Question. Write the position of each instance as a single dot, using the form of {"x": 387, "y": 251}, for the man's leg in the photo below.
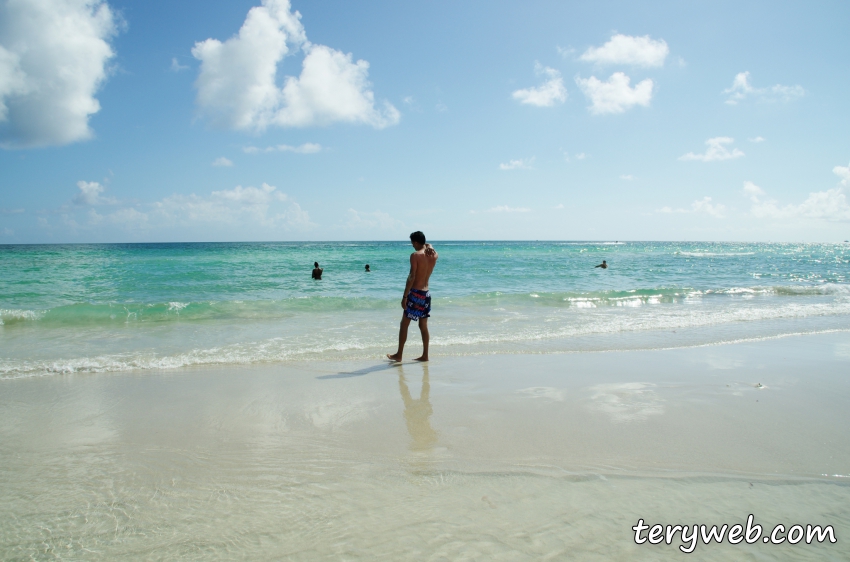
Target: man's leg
{"x": 426, "y": 337}
{"x": 402, "y": 338}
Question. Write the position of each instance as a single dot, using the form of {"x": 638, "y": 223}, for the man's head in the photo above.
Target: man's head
{"x": 417, "y": 239}
{"x": 316, "y": 264}
{"x": 603, "y": 261}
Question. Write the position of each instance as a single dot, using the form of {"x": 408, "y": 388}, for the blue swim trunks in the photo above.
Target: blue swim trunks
{"x": 418, "y": 304}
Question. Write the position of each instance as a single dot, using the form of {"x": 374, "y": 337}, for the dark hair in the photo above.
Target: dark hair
{"x": 315, "y": 264}
{"x": 417, "y": 237}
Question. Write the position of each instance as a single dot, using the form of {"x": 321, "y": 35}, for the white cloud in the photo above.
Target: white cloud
{"x": 703, "y": 205}
{"x": 505, "y": 209}
{"x": 742, "y": 89}
{"x": 627, "y": 177}
{"x": 521, "y": 164}
{"x": 757, "y": 139}
{"x": 716, "y": 151}
{"x": 332, "y": 88}
{"x": 176, "y": 66}
{"x": 240, "y": 206}
{"x": 441, "y": 107}
{"x": 559, "y": 206}
{"x": 306, "y": 148}
{"x": 372, "y": 220}
{"x": 222, "y": 161}
{"x": 842, "y": 172}
{"x": 549, "y": 93}
{"x": 626, "y": 49}
{"x": 238, "y": 213}
{"x": 90, "y": 194}
{"x": 581, "y": 156}
{"x": 830, "y": 205}
{"x": 566, "y": 53}
{"x": 753, "y": 191}
{"x": 237, "y": 85}
{"x": 53, "y": 57}
{"x": 615, "y": 95}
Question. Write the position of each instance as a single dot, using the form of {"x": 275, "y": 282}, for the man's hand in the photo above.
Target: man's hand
{"x": 404, "y": 302}
{"x": 430, "y": 251}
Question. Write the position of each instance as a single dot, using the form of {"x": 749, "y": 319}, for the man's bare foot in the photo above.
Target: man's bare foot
{"x": 423, "y": 358}
{"x": 394, "y": 357}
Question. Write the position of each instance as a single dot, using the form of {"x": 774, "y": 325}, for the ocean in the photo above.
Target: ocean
{"x": 121, "y": 307}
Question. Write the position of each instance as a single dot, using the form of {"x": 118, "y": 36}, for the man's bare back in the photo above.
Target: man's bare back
{"x": 422, "y": 264}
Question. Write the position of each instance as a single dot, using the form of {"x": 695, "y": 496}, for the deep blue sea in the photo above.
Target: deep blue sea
{"x": 114, "y": 307}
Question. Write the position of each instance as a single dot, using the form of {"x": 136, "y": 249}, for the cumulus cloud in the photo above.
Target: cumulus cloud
{"x": 306, "y": 148}
{"x": 241, "y": 211}
{"x": 615, "y": 95}
{"x": 830, "y": 205}
{"x": 53, "y": 60}
{"x": 757, "y": 139}
{"x": 237, "y": 84}
{"x": 254, "y": 206}
{"x": 703, "y": 206}
{"x": 90, "y": 194}
{"x": 753, "y": 191}
{"x": 504, "y": 209}
{"x": 176, "y": 66}
{"x": 222, "y": 161}
{"x": 626, "y": 49}
{"x": 549, "y": 93}
{"x": 842, "y": 172}
{"x": 716, "y": 151}
{"x": 741, "y": 89}
{"x": 372, "y": 220}
{"x": 521, "y": 164}
{"x": 627, "y": 177}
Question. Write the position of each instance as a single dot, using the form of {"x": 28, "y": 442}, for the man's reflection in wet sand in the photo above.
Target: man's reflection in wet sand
{"x": 417, "y": 413}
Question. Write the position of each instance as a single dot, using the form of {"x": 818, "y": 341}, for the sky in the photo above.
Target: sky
{"x": 154, "y": 121}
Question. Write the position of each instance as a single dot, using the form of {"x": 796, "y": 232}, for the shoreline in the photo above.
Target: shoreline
{"x": 268, "y": 353}
{"x": 459, "y": 457}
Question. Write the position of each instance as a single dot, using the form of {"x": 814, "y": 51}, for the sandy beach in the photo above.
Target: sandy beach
{"x": 481, "y": 457}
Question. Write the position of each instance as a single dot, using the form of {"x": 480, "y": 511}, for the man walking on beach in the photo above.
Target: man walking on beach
{"x": 416, "y": 301}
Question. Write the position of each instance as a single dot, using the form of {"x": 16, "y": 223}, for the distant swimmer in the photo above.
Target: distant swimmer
{"x": 603, "y": 265}
{"x": 317, "y": 271}
{"x": 416, "y": 301}
{"x": 367, "y": 269}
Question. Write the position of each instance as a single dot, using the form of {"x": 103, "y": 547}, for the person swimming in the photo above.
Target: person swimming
{"x": 367, "y": 269}
{"x": 603, "y": 265}
{"x": 317, "y": 271}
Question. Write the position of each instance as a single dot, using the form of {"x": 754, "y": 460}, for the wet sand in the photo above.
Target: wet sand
{"x": 484, "y": 457}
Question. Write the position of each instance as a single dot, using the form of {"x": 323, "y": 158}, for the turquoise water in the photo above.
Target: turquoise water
{"x": 79, "y": 308}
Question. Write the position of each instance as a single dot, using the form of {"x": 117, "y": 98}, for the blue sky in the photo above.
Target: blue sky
{"x": 191, "y": 121}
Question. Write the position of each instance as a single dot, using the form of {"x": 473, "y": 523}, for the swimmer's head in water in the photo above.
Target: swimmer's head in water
{"x": 367, "y": 267}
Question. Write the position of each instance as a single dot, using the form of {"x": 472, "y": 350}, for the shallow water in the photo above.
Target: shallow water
{"x": 101, "y": 308}
{"x": 485, "y": 457}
